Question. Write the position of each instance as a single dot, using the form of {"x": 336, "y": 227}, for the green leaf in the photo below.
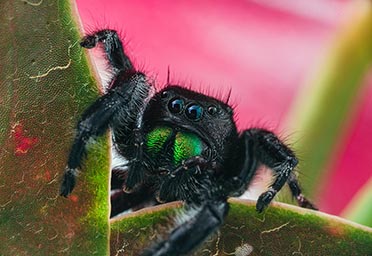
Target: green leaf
{"x": 45, "y": 85}
{"x": 280, "y": 230}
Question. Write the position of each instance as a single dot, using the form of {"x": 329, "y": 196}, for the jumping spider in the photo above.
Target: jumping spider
{"x": 180, "y": 145}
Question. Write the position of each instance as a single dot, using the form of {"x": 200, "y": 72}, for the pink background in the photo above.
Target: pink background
{"x": 263, "y": 50}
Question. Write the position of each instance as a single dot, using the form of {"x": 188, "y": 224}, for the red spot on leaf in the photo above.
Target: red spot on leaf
{"x": 335, "y": 230}
{"x": 22, "y": 142}
{"x": 74, "y": 198}
{"x": 47, "y": 175}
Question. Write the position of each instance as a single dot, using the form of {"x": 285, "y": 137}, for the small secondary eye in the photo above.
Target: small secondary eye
{"x": 176, "y": 105}
{"x": 194, "y": 112}
{"x": 164, "y": 94}
{"x": 212, "y": 110}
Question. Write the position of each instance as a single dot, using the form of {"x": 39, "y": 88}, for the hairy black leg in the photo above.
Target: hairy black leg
{"x": 184, "y": 238}
{"x": 94, "y": 122}
{"x": 123, "y": 68}
{"x": 297, "y": 193}
{"x": 112, "y": 46}
{"x": 246, "y": 147}
{"x": 273, "y": 153}
{"x": 136, "y": 173}
{"x": 122, "y": 104}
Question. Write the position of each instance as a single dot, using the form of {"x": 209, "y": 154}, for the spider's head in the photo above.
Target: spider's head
{"x": 183, "y": 109}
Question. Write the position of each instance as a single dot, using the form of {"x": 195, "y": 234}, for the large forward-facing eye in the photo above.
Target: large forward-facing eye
{"x": 194, "y": 112}
{"x": 176, "y": 105}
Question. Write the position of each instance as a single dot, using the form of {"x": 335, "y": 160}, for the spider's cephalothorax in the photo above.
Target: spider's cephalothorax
{"x": 179, "y": 145}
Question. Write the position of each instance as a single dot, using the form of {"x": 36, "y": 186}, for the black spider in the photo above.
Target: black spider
{"x": 180, "y": 145}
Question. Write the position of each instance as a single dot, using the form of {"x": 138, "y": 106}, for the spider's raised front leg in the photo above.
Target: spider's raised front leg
{"x": 113, "y": 47}
{"x": 124, "y": 101}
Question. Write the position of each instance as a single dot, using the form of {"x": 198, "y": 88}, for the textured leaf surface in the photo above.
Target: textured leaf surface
{"x": 281, "y": 230}
{"x": 45, "y": 85}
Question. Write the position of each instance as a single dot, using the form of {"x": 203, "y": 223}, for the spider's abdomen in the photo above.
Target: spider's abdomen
{"x": 166, "y": 144}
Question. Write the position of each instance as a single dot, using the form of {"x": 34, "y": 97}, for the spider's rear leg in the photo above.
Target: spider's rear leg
{"x": 297, "y": 193}
{"x": 113, "y": 48}
{"x": 273, "y": 153}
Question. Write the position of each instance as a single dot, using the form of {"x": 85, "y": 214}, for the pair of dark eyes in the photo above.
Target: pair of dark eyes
{"x": 193, "y": 111}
